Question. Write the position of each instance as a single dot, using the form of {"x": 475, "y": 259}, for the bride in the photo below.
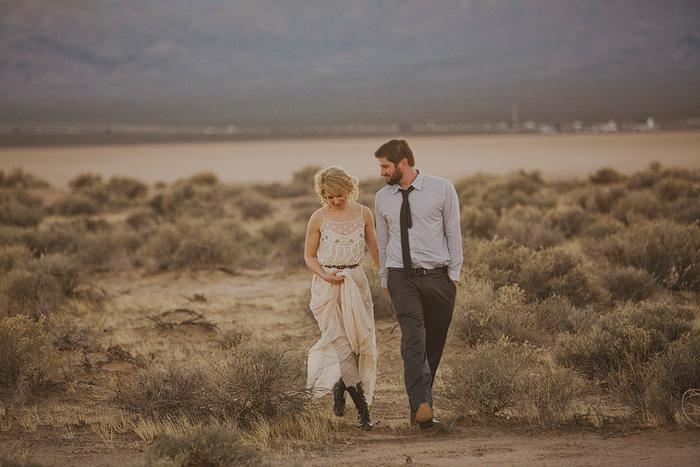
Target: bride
{"x": 345, "y": 358}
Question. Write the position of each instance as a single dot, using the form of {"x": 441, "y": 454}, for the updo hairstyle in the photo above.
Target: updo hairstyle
{"x": 336, "y": 181}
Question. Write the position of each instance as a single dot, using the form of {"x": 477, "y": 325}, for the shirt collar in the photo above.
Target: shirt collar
{"x": 417, "y": 183}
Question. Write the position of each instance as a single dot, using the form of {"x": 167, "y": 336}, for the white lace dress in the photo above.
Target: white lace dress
{"x": 344, "y": 311}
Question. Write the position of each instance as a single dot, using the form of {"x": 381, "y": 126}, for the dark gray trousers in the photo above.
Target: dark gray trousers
{"x": 424, "y": 305}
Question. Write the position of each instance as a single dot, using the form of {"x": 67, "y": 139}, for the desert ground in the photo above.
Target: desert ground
{"x": 249, "y": 300}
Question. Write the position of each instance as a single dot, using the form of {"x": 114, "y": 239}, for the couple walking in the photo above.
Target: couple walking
{"x": 417, "y": 247}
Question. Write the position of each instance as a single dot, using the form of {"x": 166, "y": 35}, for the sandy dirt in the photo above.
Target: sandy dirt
{"x": 247, "y": 300}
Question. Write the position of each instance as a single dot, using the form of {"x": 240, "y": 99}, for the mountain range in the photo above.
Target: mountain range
{"x": 353, "y": 61}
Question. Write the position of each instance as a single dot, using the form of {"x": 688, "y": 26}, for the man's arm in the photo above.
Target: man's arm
{"x": 453, "y": 233}
{"x": 382, "y": 238}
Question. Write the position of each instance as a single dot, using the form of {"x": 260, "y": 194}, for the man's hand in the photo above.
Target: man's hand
{"x": 386, "y": 292}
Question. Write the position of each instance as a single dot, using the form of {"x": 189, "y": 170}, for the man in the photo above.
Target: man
{"x": 420, "y": 255}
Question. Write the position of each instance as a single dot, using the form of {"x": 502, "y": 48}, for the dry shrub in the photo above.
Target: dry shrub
{"x": 630, "y": 335}
{"x": 603, "y": 199}
{"x": 13, "y": 235}
{"x": 498, "y": 261}
{"x": 71, "y": 332}
{"x": 478, "y": 222}
{"x": 527, "y": 225}
{"x": 251, "y": 380}
{"x": 98, "y": 248}
{"x": 27, "y": 355}
{"x": 557, "y": 271}
{"x": 172, "y": 390}
{"x": 75, "y": 205}
{"x": 684, "y": 210}
{"x": 670, "y": 252}
{"x": 637, "y": 205}
{"x": 90, "y": 186}
{"x": 601, "y": 227}
{"x": 675, "y": 372}
{"x": 511, "y": 190}
{"x": 557, "y": 314}
{"x": 85, "y": 181}
{"x": 193, "y": 244}
{"x": 541, "y": 274}
{"x": 191, "y": 197}
{"x": 12, "y": 256}
{"x": 254, "y": 206}
{"x": 488, "y": 379}
{"x": 570, "y": 220}
{"x": 629, "y": 283}
{"x": 646, "y": 178}
{"x": 40, "y": 286}
{"x": 141, "y": 219}
{"x": 124, "y": 191}
{"x": 670, "y": 189}
{"x": 18, "y": 178}
{"x": 665, "y": 321}
{"x": 485, "y": 315}
{"x": 632, "y": 381}
{"x": 598, "y": 352}
{"x": 20, "y": 208}
{"x": 278, "y": 232}
{"x": 259, "y": 379}
{"x": 55, "y": 238}
{"x": 213, "y": 444}
{"x": 657, "y": 386}
{"x": 118, "y": 192}
{"x": 551, "y": 392}
{"x": 280, "y": 241}
{"x": 24, "y": 292}
{"x": 90, "y": 241}
{"x": 468, "y": 188}
{"x": 606, "y": 176}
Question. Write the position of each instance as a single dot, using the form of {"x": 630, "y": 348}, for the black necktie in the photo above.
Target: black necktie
{"x": 405, "y": 224}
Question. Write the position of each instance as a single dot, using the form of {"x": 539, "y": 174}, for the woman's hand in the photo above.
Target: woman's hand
{"x": 333, "y": 277}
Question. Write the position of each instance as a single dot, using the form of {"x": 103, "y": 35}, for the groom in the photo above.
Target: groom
{"x": 420, "y": 253}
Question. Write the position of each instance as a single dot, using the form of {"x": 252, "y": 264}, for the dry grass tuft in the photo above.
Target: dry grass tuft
{"x": 204, "y": 445}
{"x": 27, "y": 357}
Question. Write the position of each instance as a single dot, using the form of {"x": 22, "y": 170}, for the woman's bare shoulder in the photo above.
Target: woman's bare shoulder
{"x": 316, "y": 218}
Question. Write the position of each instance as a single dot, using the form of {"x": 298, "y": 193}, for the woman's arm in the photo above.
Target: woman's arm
{"x": 370, "y": 235}
{"x": 313, "y": 236}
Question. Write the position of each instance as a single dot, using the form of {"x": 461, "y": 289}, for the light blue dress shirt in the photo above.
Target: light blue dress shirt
{"x": 435, "y": 237}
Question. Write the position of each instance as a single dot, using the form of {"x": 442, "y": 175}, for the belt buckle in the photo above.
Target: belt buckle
{"x": 420, "y": 272}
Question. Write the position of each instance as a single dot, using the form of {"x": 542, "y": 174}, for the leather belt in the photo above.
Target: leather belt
{"x": 423, "y": 271}
{"x": 349, "y": 266}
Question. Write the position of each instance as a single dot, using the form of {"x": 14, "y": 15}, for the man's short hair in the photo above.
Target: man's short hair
{"x": 394, "y": 150}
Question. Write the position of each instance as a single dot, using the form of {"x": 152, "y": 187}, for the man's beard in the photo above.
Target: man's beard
{"x": 394, "y": 179}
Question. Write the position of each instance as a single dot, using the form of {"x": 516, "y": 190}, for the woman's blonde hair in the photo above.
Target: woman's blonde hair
{"x": 336, "y": 181}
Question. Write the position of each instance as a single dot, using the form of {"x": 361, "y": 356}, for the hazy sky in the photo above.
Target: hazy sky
{"x": 371, "y": 61}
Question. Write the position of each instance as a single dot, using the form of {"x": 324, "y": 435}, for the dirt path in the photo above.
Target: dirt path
{"x": 492, "y": 446}
{"x": 247, "y": 301}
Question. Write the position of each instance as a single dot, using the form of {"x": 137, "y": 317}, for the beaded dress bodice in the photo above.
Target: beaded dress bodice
{"x": 342, "y": 243}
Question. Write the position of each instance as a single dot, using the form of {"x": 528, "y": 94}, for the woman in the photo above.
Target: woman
{"x": 345, "y": 358}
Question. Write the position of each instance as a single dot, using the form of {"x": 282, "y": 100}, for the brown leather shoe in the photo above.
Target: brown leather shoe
{"x": 424, "y": 413}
